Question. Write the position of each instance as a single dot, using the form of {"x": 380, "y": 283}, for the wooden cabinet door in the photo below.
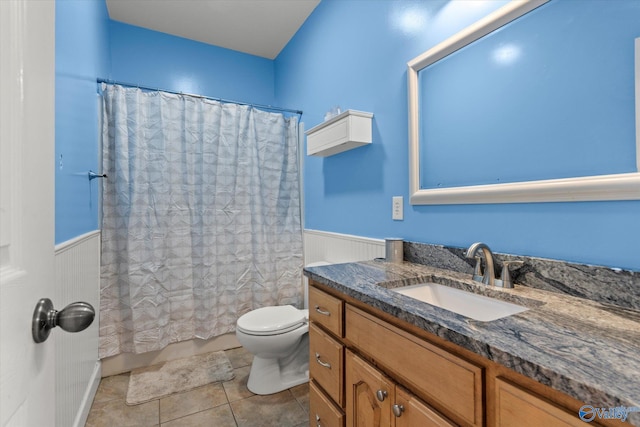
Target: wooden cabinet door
{"x": 369, "y": 394}
{"x": 517, "y": 407}
{"x": 411, "y": 412}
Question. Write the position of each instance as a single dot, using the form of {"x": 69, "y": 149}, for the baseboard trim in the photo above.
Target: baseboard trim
{"x": 89, "y": 395}
{"x": 125, "y": 362}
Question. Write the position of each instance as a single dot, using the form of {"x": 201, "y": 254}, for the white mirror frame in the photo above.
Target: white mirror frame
{"x": 624, "y": 186}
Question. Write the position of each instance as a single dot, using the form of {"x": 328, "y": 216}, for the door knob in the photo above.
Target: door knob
{"x": 75, "y": 317}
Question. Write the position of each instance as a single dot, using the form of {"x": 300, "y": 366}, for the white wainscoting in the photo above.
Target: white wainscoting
{"x": 334, "y": 248}
{"x": 77, "y": 366}
{"x": 338, "y": 248}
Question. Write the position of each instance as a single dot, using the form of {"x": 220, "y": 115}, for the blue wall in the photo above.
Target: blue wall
{"x": 88, "y": 46}
{"x": 489, "y": 106}
{"x": 350, "y": 53}
{"x": 82, "y": 54}
{"x": 159, "y": 60}
{"x": 353, "y": 54}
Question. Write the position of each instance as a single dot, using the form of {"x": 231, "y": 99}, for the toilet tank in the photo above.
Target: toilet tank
{"x": 306, "y": 280}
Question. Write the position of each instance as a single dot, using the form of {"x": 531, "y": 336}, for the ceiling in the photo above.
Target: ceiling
{"x": 256, "y": 27}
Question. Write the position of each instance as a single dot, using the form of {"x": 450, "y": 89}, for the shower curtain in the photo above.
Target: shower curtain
{"x": 200, "y": 217}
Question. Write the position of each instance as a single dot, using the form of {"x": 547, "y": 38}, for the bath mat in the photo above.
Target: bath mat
{"x": 175, "y": 376}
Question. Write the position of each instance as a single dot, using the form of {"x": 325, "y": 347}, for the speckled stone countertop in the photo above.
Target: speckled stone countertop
{"x": 588, "y": 350}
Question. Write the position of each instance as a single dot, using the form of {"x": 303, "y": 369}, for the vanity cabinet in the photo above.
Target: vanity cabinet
{"x": 344, "y": 386}
{"x": 366, "y": 364}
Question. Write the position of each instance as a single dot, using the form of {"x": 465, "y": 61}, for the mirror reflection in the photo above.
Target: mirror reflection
{"x": 551, "y": 95}
{"x": 536, "y": 95}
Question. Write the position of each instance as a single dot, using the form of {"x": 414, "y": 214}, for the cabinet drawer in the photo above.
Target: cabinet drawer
{"x": 452, "y": 385}
{"x": 517, "y": 407}
{"x": 326, "y": 310}
{"x": 326, "y": 362}
{"x": 322, "y": 411}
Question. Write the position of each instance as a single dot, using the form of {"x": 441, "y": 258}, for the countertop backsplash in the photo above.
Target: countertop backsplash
{"x": 602, "y": 284}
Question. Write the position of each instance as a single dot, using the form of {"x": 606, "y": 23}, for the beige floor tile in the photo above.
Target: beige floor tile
{"x": 220, "y": 416}
{"x": 117, "y": 413}
{"x": 112, "y": 388}
{"x": 196, "y": 400}
{"x": 236, "y": 389}
{"x": 239, "y": 357}
{"x": 204, "y": 406}
{"x": 301, "y": 393}
{"x": 280, "y": 409}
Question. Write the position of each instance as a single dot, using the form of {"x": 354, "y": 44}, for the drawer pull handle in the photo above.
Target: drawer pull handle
{"x": 381, "y": 395}
{"x": 318, "y": 421}
{"x": 323, "y": 312}
{"x": 325, "y": 364}
{"x": 398, "y": 410}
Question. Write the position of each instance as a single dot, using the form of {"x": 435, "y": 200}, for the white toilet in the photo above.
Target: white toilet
{"x": 278, "y": 338}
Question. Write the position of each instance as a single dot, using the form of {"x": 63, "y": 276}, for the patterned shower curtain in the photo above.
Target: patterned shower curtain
{"x": 200, "y": 217}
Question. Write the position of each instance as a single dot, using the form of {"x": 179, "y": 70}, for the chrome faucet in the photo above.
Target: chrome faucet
{"x": 489, "y": 276}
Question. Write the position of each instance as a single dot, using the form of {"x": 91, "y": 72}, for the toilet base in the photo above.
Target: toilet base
{"x": 270, "y": 376}
{"x": 265, "y": 377}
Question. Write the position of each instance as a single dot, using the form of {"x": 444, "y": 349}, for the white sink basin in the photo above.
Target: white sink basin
{"x": 468, "y": 304}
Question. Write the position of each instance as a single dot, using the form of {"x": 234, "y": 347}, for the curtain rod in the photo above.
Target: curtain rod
{"x": 266, "y": 107}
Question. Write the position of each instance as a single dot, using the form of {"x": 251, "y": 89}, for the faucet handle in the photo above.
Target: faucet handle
{"x": 505, "y": 277}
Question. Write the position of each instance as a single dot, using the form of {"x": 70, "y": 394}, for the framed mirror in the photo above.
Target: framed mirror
{"x": 537, "y": 102}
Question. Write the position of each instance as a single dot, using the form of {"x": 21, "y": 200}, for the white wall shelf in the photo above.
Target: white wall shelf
{"x": 348, "y": 130}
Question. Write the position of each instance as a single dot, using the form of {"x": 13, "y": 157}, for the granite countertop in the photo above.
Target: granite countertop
{"x": 588, "y": 350}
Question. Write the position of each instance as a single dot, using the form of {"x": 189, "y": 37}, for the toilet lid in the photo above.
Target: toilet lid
{"x": 271, "y": 319}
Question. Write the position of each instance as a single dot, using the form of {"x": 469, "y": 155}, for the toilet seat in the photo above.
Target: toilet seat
{"x": 271, "y": 320}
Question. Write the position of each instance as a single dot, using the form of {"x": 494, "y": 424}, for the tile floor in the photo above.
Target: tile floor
{"x": 227, "y": 404}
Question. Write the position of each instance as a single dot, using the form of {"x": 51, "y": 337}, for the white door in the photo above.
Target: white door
{"x": 27, "y": 380}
